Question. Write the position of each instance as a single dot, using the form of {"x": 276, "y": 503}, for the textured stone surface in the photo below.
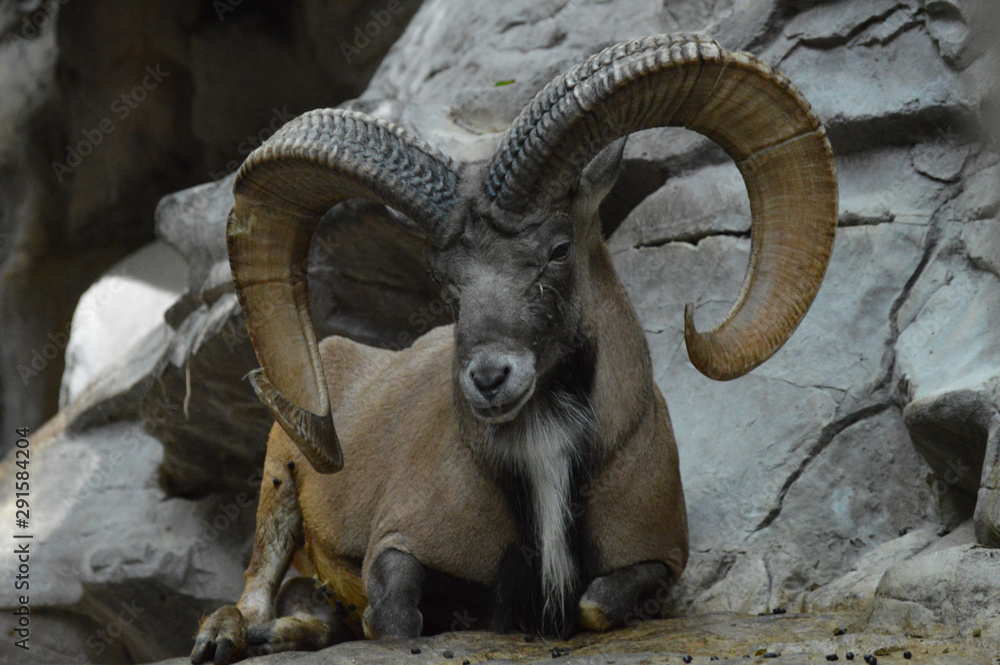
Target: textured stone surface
{"x": 950, "y": 593}
{"x": 123, "y": 306}
{"x": 733, "y": 639}
{"x": 105, "y": 108}
{"x": 107, "y": 541}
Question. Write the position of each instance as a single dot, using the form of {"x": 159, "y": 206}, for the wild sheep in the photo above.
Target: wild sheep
{"x": 517, "y": 469}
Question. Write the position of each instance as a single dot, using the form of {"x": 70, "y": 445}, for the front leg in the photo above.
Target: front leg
{"x": 395, "y": 584}
{"x": 628, "y": 594}
{"x": 222, "y": 637}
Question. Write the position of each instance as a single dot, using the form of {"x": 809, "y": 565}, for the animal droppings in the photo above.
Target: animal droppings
{"x": 907, "y": 655}
{"x": 291, "y": 466}
{"x": 850, "y": 655}
{"x": 448, "y": 654}
{"x": 277, "y": 482}
{"x": 687, "y": 659}
{"x": 771, "y": 654}
{"x": 779, "y": 610}
{"x": 415, "y": 650}
{"x": 870, "y": 659}
{"x": 839, "y": 632}
{"x": 832, "y": 657}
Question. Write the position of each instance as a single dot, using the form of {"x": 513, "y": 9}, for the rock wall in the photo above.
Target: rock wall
{"x": 106, "y": 108}
{"x": 869, "y": 443}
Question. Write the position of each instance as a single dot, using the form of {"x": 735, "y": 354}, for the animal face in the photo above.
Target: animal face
{"x": 516, "y": 303}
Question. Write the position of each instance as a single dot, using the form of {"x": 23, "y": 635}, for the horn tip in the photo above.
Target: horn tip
{"x": 314, "y": 434}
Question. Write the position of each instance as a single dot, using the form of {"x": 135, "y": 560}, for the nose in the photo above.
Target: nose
{"x": 488, "y": 376}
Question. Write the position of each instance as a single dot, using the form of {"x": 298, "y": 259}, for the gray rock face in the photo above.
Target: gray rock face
{"x": 946, "y": 594}
{"x": 125, "y": 304}
{"x": 116, "y": 572}
{"x": 150, "y": 98}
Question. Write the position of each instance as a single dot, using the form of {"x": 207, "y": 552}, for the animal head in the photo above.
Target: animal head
{"x": 518, "y": 286}
{"x": 516, "y": 240}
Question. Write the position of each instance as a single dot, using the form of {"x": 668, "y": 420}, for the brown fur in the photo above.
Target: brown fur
{"x": 413, "y": 479}
{"x": 434, "y": 501}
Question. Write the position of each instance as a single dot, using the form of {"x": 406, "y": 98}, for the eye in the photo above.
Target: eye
{"x": 560, "y": 252}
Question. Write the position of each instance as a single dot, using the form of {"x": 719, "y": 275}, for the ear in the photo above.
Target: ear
{"x": 599, "y": 177}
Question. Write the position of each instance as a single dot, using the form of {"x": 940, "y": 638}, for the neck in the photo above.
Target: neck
{"x": 623, "y": 386}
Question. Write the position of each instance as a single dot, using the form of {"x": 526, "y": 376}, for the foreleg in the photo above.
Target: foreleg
{"x": 628, "y": 594}
{"x": 395, "y": 585}
{"x": 222, "y": 638}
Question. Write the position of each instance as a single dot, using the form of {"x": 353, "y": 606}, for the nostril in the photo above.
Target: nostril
{"x": 488, "y": 379}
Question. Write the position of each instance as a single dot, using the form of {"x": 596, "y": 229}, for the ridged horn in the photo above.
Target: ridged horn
{"x": 283, "y": 188}
{"x": 745, "y": 106}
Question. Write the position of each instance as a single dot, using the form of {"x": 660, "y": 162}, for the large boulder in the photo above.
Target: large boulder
{"x": 116, "y": 573}
{"x": 947, "y": 594}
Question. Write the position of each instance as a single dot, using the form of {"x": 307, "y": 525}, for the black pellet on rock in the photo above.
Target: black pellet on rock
{"x": 771, "y": 654}
{"x": 415, "y": 650}
{"x": 849, "y": 655}
{"x": 291, "y": 466}
{"x": 839, "y": 632}
{"x": 870, "y": 659}
{"x": 448, "y": 654}
{"x": 466, "y": 662}
{"x": 907, "y": 655}
{"x": 778, "y": 610}
{"x": 277, "y": 482}
{"x": 832, "y": 657}
{"x": 687, "y": 659}
{"x": 714, "y": 658}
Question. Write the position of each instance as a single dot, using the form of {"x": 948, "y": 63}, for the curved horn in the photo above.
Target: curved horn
{"x": 745, "y": 106}
{"x": 283, "y": 188}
